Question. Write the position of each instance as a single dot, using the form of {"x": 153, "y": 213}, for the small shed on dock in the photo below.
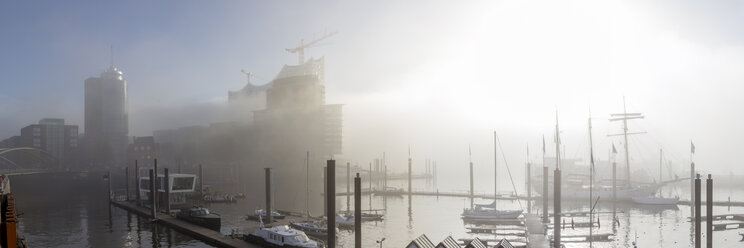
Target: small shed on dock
{"x": 449, "y": 242}
{"x": 504, "y": 244}
{"x": 421, "y": 242}
{"x": 476, "y": 243}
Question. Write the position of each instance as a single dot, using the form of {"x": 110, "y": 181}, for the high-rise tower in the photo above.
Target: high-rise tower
{"x": 106, "y": 118}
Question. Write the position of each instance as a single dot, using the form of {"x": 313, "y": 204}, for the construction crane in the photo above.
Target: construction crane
{"x": 301, "y": 49}
{"x": 248, "y": 76}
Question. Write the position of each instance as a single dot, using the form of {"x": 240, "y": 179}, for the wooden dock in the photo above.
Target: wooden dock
{"x": 204, "y": 234}
{"x": 536, "y": 232}
{"x": 517, "y": 197}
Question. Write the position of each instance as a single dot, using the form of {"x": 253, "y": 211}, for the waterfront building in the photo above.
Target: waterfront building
{"x": 53, "y": 137}
{"x": 296, "y": 118}
{"x": 107, "y": 117}
{"x": 144, "y": 150}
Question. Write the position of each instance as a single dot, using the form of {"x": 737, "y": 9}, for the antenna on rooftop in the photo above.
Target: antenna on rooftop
{"x": 111, "y": 55}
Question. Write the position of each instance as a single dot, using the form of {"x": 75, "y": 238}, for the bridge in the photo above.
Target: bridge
{"x": 11, "y": 168}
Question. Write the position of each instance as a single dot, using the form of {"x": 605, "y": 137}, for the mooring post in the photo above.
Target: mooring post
{"x": 692, "y": 189}
{"x": 545, "y": 194}
{"x": 201, "y": 180}
{"x": 126, "y": 184}
{"x": 331, "y": 202}
{"x": 153, "y": 203}
{"x": 697, "y": 212}
{"x": 110, "y": 195}
{"x": 269, "y": 211}
{"x": 157, "y": 183}
{"x": 167, "y": 190}
{"x": 348, "y": 187}
{"x": 358, "y": 211}
{"x": 529, "y": 188}
{"x": 614, "y": 193}
{"x": 325, "y": 190}
{"x": 709, "y": 212}
{"x": 370, "y": 185}
{"x": 137, "y": 183}
{"x": 557, "y": 208}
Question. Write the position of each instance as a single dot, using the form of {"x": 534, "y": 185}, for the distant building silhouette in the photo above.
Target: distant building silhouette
{"x": 106, "y": 118}
{"x": 59, "y": 142}
{"x": 144, "y": 150}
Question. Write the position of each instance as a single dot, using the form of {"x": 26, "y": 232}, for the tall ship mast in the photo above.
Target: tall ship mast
{"x": 625, "y": 116}
{"x": 593, "y": 188}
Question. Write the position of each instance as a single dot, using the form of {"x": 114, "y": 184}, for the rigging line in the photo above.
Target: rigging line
{"x": 673, "y": 153}
{"x": 580, "y": 147}
{"x": 508, "y": 171}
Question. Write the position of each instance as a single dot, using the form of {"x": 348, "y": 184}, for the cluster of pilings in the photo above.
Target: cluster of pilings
{"x": 154, "y": 194}
{"x": 330, "y": 203}
{"x": 708, "y": 214}
{"x": 329, "y": 187}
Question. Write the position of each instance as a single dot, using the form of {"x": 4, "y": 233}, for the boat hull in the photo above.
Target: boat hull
{"x": 211, "y": 223}
{"x": 491, "y": 214}
{"x": 250, "y": 238}
{"x": 623, "y": 194}
{"x": 315, "y": 232}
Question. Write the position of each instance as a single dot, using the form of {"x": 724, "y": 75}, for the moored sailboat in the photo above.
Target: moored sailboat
{"x": 489, "y": 211}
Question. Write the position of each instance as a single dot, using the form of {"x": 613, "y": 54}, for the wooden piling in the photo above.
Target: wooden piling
{"x": 529, "y": 188}
{"x": 137, "y": 183}
{"x": 156, "y": 193}
{"x": 557, "y": 208}
{"x": 201, "y": 180}
{"x": 709, "y": 212}
{"x": 358, "y": 211}
{"x": 269, "y": 210}
{"x": 110, "y": 194}
{"x": 331, "y": 202}
{"x": 126, "y": 169}
{"x": 153, "y": 202}
{"x": 545, "y": 194}
{"x": 167, "y": 190}
{"x": 697, "y": 212}
{"x": 348, "y": 187}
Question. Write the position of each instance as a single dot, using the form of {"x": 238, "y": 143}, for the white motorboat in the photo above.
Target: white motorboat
{"x": 656, "y": 200}
{"x": 280, "y": 236}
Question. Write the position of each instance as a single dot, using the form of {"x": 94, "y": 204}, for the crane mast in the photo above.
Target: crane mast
{"x": 300, "y": 50}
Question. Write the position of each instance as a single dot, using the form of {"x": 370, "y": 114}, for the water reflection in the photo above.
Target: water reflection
{"x": 60, "y": 216}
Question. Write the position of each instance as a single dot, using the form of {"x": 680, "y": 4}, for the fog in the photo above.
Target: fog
{"x": 433, "y": 76}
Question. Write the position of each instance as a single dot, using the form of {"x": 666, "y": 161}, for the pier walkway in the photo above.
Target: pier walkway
{"x": 535, "y": 231}
{"x": 207, "y": 235}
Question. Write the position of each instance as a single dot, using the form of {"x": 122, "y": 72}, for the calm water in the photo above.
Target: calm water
{"x": 55, "y": 219}
{"x": 58, "y": 215}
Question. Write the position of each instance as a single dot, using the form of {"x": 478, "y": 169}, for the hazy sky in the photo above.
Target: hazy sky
{"x": 436, "y": 75}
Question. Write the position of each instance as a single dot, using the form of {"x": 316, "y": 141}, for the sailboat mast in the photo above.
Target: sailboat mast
{"x": 557, "y": 143}
{"x": 661, "y": 161}
{"x": 625, "y": 116}
{"x": 591, "y": 180}
{"x": 625, "y": 135}
{"x": 495, "y": 167}
{"x": 470, "y": 157}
